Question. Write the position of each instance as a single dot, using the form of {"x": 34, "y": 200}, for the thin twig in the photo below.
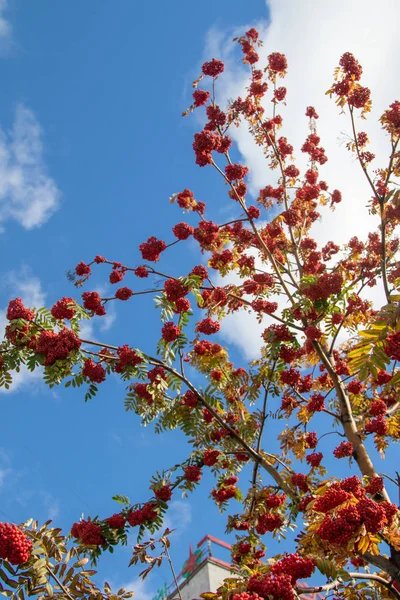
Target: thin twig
{"x": 172, "y": 569}
{"x": 54, "y": 576}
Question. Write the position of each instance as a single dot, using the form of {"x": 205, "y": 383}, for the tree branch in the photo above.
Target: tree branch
{"x": 384, "y": 564}
{"x": 361, "y": 455}
{"x": 337, "y": 583}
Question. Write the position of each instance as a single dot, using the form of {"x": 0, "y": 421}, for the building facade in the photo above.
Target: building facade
{"x": 204, "y": 571}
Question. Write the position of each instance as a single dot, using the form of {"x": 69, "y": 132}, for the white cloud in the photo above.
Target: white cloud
{"x": 6, "y": 471}
{"x": 106, "y": 322}
{"x": 51, "y": 505}
{"x": 115, "y": 438}
{"x": 178, "y": 517}
{"x": 27, "y": 194}
{"x": 87, "y": 330}
{"x": 23, "y": 378}
{"x": 243, "y": 330}
{"x": 3, "y": 475}
{"x": 89, "y": 327}
{"x": 5, "y": 30}
{"x": 22, "y": 283}
{"x": 144, "y": 590}
{"x": 4, "y": 457}
{"x": 314, "y": 35}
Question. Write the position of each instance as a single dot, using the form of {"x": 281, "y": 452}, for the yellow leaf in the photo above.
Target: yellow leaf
{"x": 359, "y": 351}
{"x": 303, "y": 415}
{"x": 374, "y": 549}
{"x": 368, "y": 333}
{"x": 363, "y": 544}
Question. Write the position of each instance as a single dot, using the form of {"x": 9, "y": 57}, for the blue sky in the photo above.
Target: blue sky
{"x": 98, "y": 90}
{"x": 92, "y": 146}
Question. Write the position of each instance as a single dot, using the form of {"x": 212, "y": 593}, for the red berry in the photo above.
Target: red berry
{"x": 57, "y": 346}
{"x": 277, "y": 62}
{"x": 200, "y": 97}
{"x": 170, "y": 332}
{"x": 163, "y": 493}
{"x": 83, "y": 269}
{"x": 15, "y": 546}
{"x": 123, "y": 293}
{"x": 213, "y": 68}
{"x": 127, "y": 357}
{"x": 89, "y": 533}
{"x": 208, "y": 326}
{"x": 314, "y": 459}
{"x": 235, "y": 172}
{"x": 64, "y": 309}
{"x": 16, "y": 310}
{"x": 343, "y": 450}
{"x": 116, "y": 275}
{"x": 141, "y": 272}
{"x": 192, "y": 473}
{"x": 210, "y": 457}
{"x": 182, "y": 231}
{"x": 152, "y": 249}
{"x": 94, "y": 372}
{"x": 117, "y": 521}
{"x": 375, "y": 486}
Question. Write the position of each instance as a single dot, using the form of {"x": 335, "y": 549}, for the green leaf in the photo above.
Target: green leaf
{"x": 377, "y": 361}
{"x": 8, "y": 567}
{"x": 121, "y": 499}
{"x": 10, "y": 582}
{"x": 326, "y": 567}
{"x": 395, "y": 379}
{"x": 49, "y": 589}
{"x": 381, "y": 354}
{"x": 373, "y": 370}
{"x": 344, "y": 575}
{"x": 363, "y": 374}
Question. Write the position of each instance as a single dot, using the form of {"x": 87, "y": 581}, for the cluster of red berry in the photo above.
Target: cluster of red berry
{"x": 15, "y": 546}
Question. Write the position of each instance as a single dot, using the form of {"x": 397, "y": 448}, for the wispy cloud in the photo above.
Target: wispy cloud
{"x": 314, "y": 35}
{"x": 242, "y": 328}
{"x": 23, "y": 283}
{"x": 4, "y": 457}
{"x": 8, "y": 475}
{"x": 178, "y": 517}
{"x": 144, "y": 590}
{"x": 106, "y": 322}
{"x": 5, "y": 30}
{"x": 28, "y": 194}
{"x": 87, "y": 330}
{"x": 115, "y": 438}
{"x": 51, "y": 504}
{"x": 90, "y": 328}
{"x": 3, "y": 475}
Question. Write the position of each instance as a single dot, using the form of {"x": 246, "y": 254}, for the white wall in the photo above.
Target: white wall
{"x": 207, "y": 579}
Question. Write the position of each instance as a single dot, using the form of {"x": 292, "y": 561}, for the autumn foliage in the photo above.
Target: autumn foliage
{"x": 327, "y": 364}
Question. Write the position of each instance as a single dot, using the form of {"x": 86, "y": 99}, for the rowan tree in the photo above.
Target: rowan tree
{"x": 327, "y": 364}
